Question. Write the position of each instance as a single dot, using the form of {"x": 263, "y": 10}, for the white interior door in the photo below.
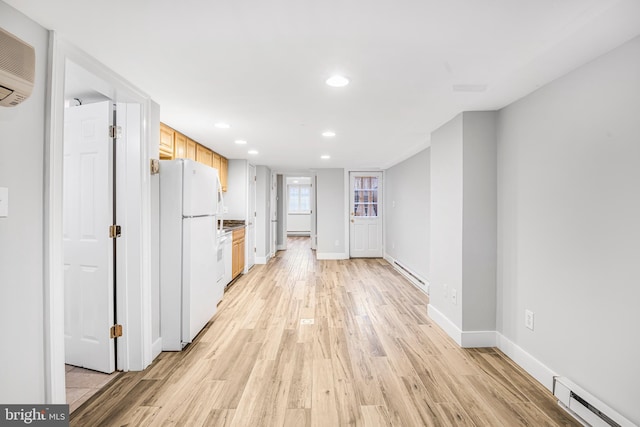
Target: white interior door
{"x": 88, "y": 250}
{"x": 365, "y": 215}
{"x": 251, "y": 219}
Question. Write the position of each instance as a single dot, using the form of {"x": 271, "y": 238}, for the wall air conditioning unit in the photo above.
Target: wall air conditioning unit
{"x": 17, "y": 69}
{"x": 585, "y": 407}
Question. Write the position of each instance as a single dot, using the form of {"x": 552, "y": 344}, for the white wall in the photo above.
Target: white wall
{"x": 331, "y": 214}
{"x": 263, "y": 209}
{"x": 21, "y": 234}
{"x": 154, "y": 147}
{"x": 407, "y": 213}
{"x": 569, "y": 226}
{"x": 235, "y": 199}
{"x": 299, "y": 224}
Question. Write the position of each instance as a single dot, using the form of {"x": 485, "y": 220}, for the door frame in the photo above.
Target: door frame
{"x": 347, "y": 204}
{"x": 285, "y": 195}
{"x": 134, "y": 278}
{"x": 250, "y": 252}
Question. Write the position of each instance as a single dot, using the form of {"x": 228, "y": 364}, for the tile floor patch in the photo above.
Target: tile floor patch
{"x": 307, "y": 321}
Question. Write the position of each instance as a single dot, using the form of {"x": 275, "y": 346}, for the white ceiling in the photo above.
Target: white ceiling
{"x": 261, "y": 65}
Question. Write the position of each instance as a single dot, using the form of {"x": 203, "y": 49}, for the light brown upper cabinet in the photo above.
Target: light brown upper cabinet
{"x": 174, "y": 145}
{"x": 180, "y": 146}
{"x": 191, "y": 149}
{"x": 204, "y": 155}
{"x": 224, "y": 172}
{"x": 166, "y": 142}
{"x": 216, "y": 162}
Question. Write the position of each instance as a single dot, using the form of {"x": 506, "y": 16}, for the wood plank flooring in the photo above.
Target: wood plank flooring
{"x": 371, "y": 357}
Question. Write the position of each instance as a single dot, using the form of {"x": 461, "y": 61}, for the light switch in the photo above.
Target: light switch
{"x": 4, "y": 202}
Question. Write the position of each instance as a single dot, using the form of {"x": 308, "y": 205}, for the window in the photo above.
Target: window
{"x": 365, "y": 196}
{"x": 299, "y": 198}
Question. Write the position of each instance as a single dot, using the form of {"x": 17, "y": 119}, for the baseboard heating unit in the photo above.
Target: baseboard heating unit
{"x": 411, "y": 276}
{"x": 585, "y": 407}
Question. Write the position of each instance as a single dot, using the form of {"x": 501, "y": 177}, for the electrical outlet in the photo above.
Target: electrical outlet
{"x": 393, "y": 245}
{"x": 528, "y": 319}
{"x": 454, "y": 296}
{"x": 393, "y": 204}
{"x": 445, "y": 291}
{"x": 337, "y": 243}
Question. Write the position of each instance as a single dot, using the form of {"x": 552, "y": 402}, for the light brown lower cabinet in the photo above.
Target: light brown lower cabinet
{"x": 237, "y": 259}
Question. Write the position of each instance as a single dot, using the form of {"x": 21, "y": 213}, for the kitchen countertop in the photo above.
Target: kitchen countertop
{"x": 230, "y": 225}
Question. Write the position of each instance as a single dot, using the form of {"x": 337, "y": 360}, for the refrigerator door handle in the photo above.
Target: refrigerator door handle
{"x": 220, "y": 206}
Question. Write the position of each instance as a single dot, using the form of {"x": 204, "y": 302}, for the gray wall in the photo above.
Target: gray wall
{"x": 235, "y": 199}
{"x": 569, "y": 226}
{"x": 281, "y": 234}
{"x": 408, "y": 213}
{"x": 263, "y": 209}
{"x": 463, "y": 221}
{"x": 21, "y": 234}
{"x": 446, "y": 218}
{"x": 330, "y": 212}
{"x": 479, "y": 222}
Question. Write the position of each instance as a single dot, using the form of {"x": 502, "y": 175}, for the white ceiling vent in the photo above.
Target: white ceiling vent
{"x": 17, "y": 69}
{"x": 469, "y": 88}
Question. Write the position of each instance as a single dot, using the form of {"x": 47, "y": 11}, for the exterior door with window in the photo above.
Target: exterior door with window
{"x": 365, "y": 215}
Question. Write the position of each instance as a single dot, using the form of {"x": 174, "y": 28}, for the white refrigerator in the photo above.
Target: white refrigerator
{"x": 190, "y": 289}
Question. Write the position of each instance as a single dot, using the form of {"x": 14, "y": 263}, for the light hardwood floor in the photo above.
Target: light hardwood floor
{"x": 371, "y": 357}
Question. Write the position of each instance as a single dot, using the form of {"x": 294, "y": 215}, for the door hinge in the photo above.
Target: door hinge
{"x": 115, "y": 331}
{"x": 254, "y": 250}
{"x": 255, "y": 214}
{"x": 115, "y": 132}
{"x": 115, "y": 231}
{"x": 155, "y": 166}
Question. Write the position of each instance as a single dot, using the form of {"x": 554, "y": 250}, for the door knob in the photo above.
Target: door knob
{"x": 352, "y": 221}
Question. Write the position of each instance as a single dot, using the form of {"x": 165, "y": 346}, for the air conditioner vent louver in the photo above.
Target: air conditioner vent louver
{"x": 17, "y": 69}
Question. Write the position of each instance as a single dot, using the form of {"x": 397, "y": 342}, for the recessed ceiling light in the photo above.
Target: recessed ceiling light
{"x": 296, "y": 181}
{"x": 337, "y": 81}
{"x": 252, "y": 152}
{"x": 325, "y": 156}
{"x": 222, "y": 125}
{"x": 240, "y": 141}
{"x": 329, "y": 133}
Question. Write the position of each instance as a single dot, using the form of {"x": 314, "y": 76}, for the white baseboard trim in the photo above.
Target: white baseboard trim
{"x": 465, "y": 339}
{"x": 262, "y": 259}
{"x": 447, "y": 325}
{"x": 538, "y": 370}
{"x": 331, "y": 255}
{"x": 470, "y": 339}
{"x": 281, "y": 247}
{"x": 478, "y": 339}
{"x": 156, "y": 348}
{"x": 299, "y": 233}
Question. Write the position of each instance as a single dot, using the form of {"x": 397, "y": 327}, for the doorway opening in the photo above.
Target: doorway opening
{"x": 90, "y": 253}
{"x": 298, "y": 202}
